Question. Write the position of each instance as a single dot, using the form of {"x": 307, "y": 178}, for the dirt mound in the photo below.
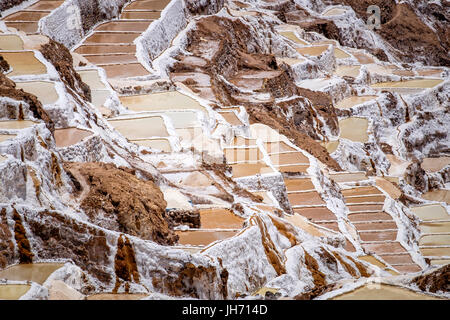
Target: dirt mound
{"x": 8, "y": 89}
{"x": 360, "y": 6}
{"x": 7, "y": 4}
{"x": 6, "y": 245}
{"x": 438, "y": 280}
{"x": 115, "y": 198}
{"x": 125, "y": 264}
{"x": 61, "y": 58}
{"x": 183, "y": 217}
{"x": 4, "y": 65}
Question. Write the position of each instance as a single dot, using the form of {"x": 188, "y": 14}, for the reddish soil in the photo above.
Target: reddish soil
{"x": 137, "y": 206}
{"x": 62, "y": 60}
{"x": 125, "y": 263}
{"x": 7, "y": 4}
{"x": 183, "y": 217}
{"x": 22, "y": 243}
{"x": 4, "y": 66}
{"x": 6, "y": 245}
{"x": 438, "y": 280}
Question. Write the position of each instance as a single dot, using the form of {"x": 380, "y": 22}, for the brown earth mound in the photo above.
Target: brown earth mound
{"x": 4, "y": 65}
{"x": 61, "y": 58}
{"x": 7, "y": 4}
{"x": 114, "y": 194}
{"x": 438, "y": 280}
{"x": 6, "y": 245}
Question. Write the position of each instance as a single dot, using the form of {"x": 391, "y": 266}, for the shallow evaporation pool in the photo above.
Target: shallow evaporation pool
{"x": 315, "y": 84}
{"x": 438, "y": 262}
{"x": 312, "y": 50}
{"x": 289, "y": 158}
{"x": 148, "y": 5}
{"x": 183, "y": 119}
{"x": 303, "y": 223}
{"x": 435, "y": 251}
{"x": 291, "y": 36}
{"x": 354, "y": 129}
{"x": 203, "y": 238}
{"x": 4, "y": 137}
{"x": 435, "y": 240}
{"x": 92, "y": 79}
{"x": 70, "y": 136}
{"x": 352, "y": 101}
{"x": 398, "y": 166}
{"x": 10, "y": 42}
{"x": 250, "y": 169}
{"x": 161, "y": 144}
{"x": 242, "y": 141}
{"x": 233, "y": 155}
{"x": 383, "y": 292}
{"x": 331, "y": 146}
{"x": 278, "y": 146}
{"x": 45, "y": 91}
{"x": 139, "y": 128}
{"x": 117, "y": 296}
{"x": 24, "y": 63}
{"x": 348, "y": 177}
{"x": 162, "y": 101}
{"x": 289, "y": 61}
{"x": 348, "y": 71}
{"x": 340, "y": 54}
{"x": 231, "y": 118}
{"x": 431, "y": 212}
{"x": 407, "y": 85}
{"x": 36, "y": 272}
{"x": 435, "y": 227}
{"x": 440, "y": 195}
{"x": 13, "y": 291}
{"x": 219, "y": 218}
{"x": 16, "y": 124}
{"x": 435, "y": 164}
{"x": 334, "y": 12}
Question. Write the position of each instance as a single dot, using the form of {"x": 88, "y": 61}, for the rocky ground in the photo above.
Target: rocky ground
{"x": 224, "y": 150}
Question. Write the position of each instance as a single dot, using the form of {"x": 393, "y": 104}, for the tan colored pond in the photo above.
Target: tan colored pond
{"x": 398, "y": 166}
{"x": 436, "y": 252}
{"x": 92, "y": 79}
{"x": 138, "y": 128}
{"x": 305, "y": 198}
{"x": 435, "y": 227}
{"x": 70, "y": 136}
{"x": 16, "y": 124}
{"x": 219, "y": 219}
{"x": 340, "y": 54}
{"x": 249, "y": 169}
{"x": 280, "y": 146}
{"x": 293, "y": 168}
{"x": 10, "y": 42}
{"x": 111, "y": 58}
{"x": 28, "y": 27}
{"x": 316, "y": 213}
{"x": 231, "y": 118}
{"x": 361, "y": 191}
{"x": 383, "y": 292}
{"x": 334, "y": 12}
{"x": 362, "y": 57}
{"x": 289, "y": 158}
{"x": 99, "y": 97}
{"x": 372, "y": 260}
{"x": 141, "y": 14}
{"x": 148, "y": 5}
{"x": 242, "y": 141}
{"x": 291, "y": 36}
{"x": 413, "y": 84}
{"x": 430, "y": 72}
{"x": 161, "y": 144}
{"x": 124, "y": 70}
{"x": 352, "y": 101}
{"x": 303, "y": 223}
{"x": 36, "y": 272}
{"x": 103, "y": 49}
{"x": 26, "y": 16}
{"x": 435, "y": 164}
{"x": 348, "y": 71}
{"x": 331, "y": 146}
{"x": 45, "y": 91}
{"x": 348, "y": 177}
{"x": 111, "y": 37}
{"x": 172, "y": 100}
{"x": 435, "y": 240}
{"x": 243, "y": 155}
{"x": 386, "y": 185}
{"x": 117, "y": 296}
{"x": 13, "y": 291}
{"x": 441, "y": 195}
{"x": 354, "y": 129}
{"x": 312, "y": 50}
{"x": 202, "y": 238}
{"x": 299, "y": 184}
{"x": 23, "y": 63}
{"x": 4, "y": 137}
{"x": 437, "y": 262}
{"x": 431, "y": 212}
{"x": 122, "y": 25}
{"x": 289, "y": 61}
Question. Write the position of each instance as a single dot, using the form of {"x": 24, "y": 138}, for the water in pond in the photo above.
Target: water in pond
{"x": 133, "y": 15}
{"x": 305, "y": 198}
{"x": 298, "y": 184}
{"x": 437, "y": 262}
{"x": 103, "y": 49}
{"x": 373, "y": 260}
{"x": 16, "y": 124}
{"x": 36, "y": 272}
{"x": 408, "y": 84}
{"x": 289, "y": 158}
{"x": 111, "y": 58}
{"x": 161, "y": 144}
{"x": 4, "y": 137}
{"x": 316, "y": 213}
{"x": 291, "y": 36}
{"x": 183, "y": 119}
{"x": 241, "y": 141}
{"x": 117, "y": 296}
{"x": 398, "y": 166}
{"x": 172, "y": 100}
{"x": 202, "y": 238}
{"x": 26, "y": 16}
{"x": 383, "y": 292}
{"x": 436, "y": 252}
{"x": 348, "y": 177}
{"x": 441, "y": 195}
{"x": 353, "y": 101}
{"x": 70, "y": 136}
{"x": 243, "y": 155}
{"x": 312, "y": 51}
{"x": 10, "y": 42}
{"x": 44, "y": 90}
{"x": 139, "y": 128}
{"x": 249, "y": 169}
{"x": 331, "y": 146}
{"x": 431, "y": 212}
{"x": 23, "y": 63}
{"x": 348, "y": 71}
{"x": 354, "y": 129}
{"x": 125, "y": 70}
{"x": 435, "y": 240}
{"x": 293, "y": 168}
{"x": 148, "y": 5}
{"x": 111, "y": 37}
{"x": 435, "y": 164}
{"x": 13, "y": 291}
{"x": 124, "y": 26}
{"x": 231, "y": 118}
{"x": 340, "y": 54}
{"x": 361, "y": 191}
{"x": 26, "y": 26}
{"x": 304, "y": 224}
{"x": 219, "y": 219}
{"x": 435, "y": 227}
{"x": 364, "y": 199}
